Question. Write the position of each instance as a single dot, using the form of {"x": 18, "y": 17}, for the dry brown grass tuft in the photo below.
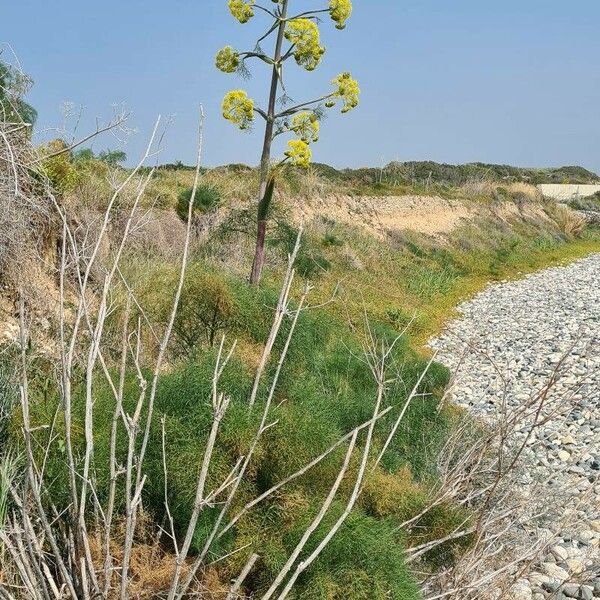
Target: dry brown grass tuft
{"x": 525, "y": 191}
{"x": 485, "y": 189}
{"x": 477, "y": 189}
{"x": 569, "y": 222}
{"x": 152, "y": 567}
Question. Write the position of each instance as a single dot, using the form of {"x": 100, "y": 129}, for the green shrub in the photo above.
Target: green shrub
{"x": 206, "y": 307}
{"x": 206, "y": 199}
{"x": 325, "y": 390}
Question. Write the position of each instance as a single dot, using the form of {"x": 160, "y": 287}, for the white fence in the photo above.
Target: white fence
{"x": 565, "y": 192}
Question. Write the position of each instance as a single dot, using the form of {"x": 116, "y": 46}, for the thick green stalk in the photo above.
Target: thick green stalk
{"x": 263, "y": 198}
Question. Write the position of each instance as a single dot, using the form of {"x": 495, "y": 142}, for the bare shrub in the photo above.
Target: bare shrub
{"x": 26, "y": 224}
{"x": 483, "y": 466}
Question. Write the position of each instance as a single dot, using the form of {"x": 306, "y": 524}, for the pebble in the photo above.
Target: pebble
{"x": 510, "y": 340}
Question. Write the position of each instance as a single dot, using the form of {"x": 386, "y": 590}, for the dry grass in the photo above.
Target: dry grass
{"x": 152, "y": 566}
{"x": 569, "y": 222}
{"x": 526, "y": 190}
{"x": 485, "y": 189}
{"x": 477, "y": 189}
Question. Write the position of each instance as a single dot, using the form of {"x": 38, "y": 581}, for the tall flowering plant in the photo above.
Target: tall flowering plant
{"x": 295, "y": 36}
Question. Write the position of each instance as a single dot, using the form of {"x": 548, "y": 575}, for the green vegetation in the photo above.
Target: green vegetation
{"x": 13, "y": 86}
{"x": 428, "y": 172}
{"x": 205, "y": 199}
{"x": 401, "y": 287}
{"x": 591, "y": 203}
{"x": 411, "y": 282}
{"x": 110, "y": 157}
{"x": 325, "y": 390}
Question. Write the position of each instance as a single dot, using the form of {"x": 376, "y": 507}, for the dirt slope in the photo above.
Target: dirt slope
{"x": 431, "y": 215}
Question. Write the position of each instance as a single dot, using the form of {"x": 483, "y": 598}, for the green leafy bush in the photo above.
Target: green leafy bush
{"x": 325, "y": 390}
{"x": 206, "y": 199}
{"x": 206, "y": 307}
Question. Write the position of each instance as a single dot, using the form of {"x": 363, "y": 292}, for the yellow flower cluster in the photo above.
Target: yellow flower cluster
{"x": 347, "y": 90}
{"x": 340, "y": 12}
{"x": 227, "y": 60}
{"x": 304, "y": 34}
{"x": 306, "y": 126}
{"x": 238, "y": 108}
{"x": 242, "y": 10}
{"x": 299, "y": 152}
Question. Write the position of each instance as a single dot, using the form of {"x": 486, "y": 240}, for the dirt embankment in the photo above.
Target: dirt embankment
{"x": 431, "y": 215}
{"x": 159, "y": 232}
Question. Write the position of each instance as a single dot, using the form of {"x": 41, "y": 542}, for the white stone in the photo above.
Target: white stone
{"x": 564, "y": 455}
{"x": 555, "y": 572}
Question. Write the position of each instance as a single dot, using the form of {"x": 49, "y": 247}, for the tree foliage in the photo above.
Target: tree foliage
{"x": 13, "y": 87}
{"x": 110, "y": 157}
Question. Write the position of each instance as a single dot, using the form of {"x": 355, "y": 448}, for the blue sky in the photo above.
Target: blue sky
{"x": 516, "y": 81}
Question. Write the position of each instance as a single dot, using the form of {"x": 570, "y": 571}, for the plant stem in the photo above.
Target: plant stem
{"x": 261, "y": 222}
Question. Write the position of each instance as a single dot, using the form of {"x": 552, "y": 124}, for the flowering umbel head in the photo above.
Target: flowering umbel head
{"x": 347, "y": 91}
{"x": 306, "y": 126}
{"x": 238, "y": 108}
{"x": 242, "y": 10}
{"x": 299, "y": 153}
{"x": 340, "y": 11}
{"x": 227, "y": 60}
{"x": 304, "y": 34}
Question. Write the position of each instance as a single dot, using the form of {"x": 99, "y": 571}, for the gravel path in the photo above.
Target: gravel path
{"x": 510, "y": 340}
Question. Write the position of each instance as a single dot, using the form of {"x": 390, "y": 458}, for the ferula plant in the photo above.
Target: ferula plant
{"x": 295, "y": 36}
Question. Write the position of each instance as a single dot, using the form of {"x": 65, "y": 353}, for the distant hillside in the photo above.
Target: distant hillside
{"x": 421, "y": 172}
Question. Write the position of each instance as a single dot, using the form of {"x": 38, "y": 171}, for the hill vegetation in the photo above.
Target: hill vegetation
{"x": 421, "y": 172}
{"x": 413, "y": 178}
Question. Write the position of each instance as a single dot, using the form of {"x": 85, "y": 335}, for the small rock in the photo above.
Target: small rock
{"x": 555, "y": 572}
{"x": 570, "y": 590}
{"x": 564, "y": 455}
{"x": 575, "y": 565}
{"x": 560, "y": 552}
{"x": 521, "y": 591}
{"x": 586, "y": 592}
